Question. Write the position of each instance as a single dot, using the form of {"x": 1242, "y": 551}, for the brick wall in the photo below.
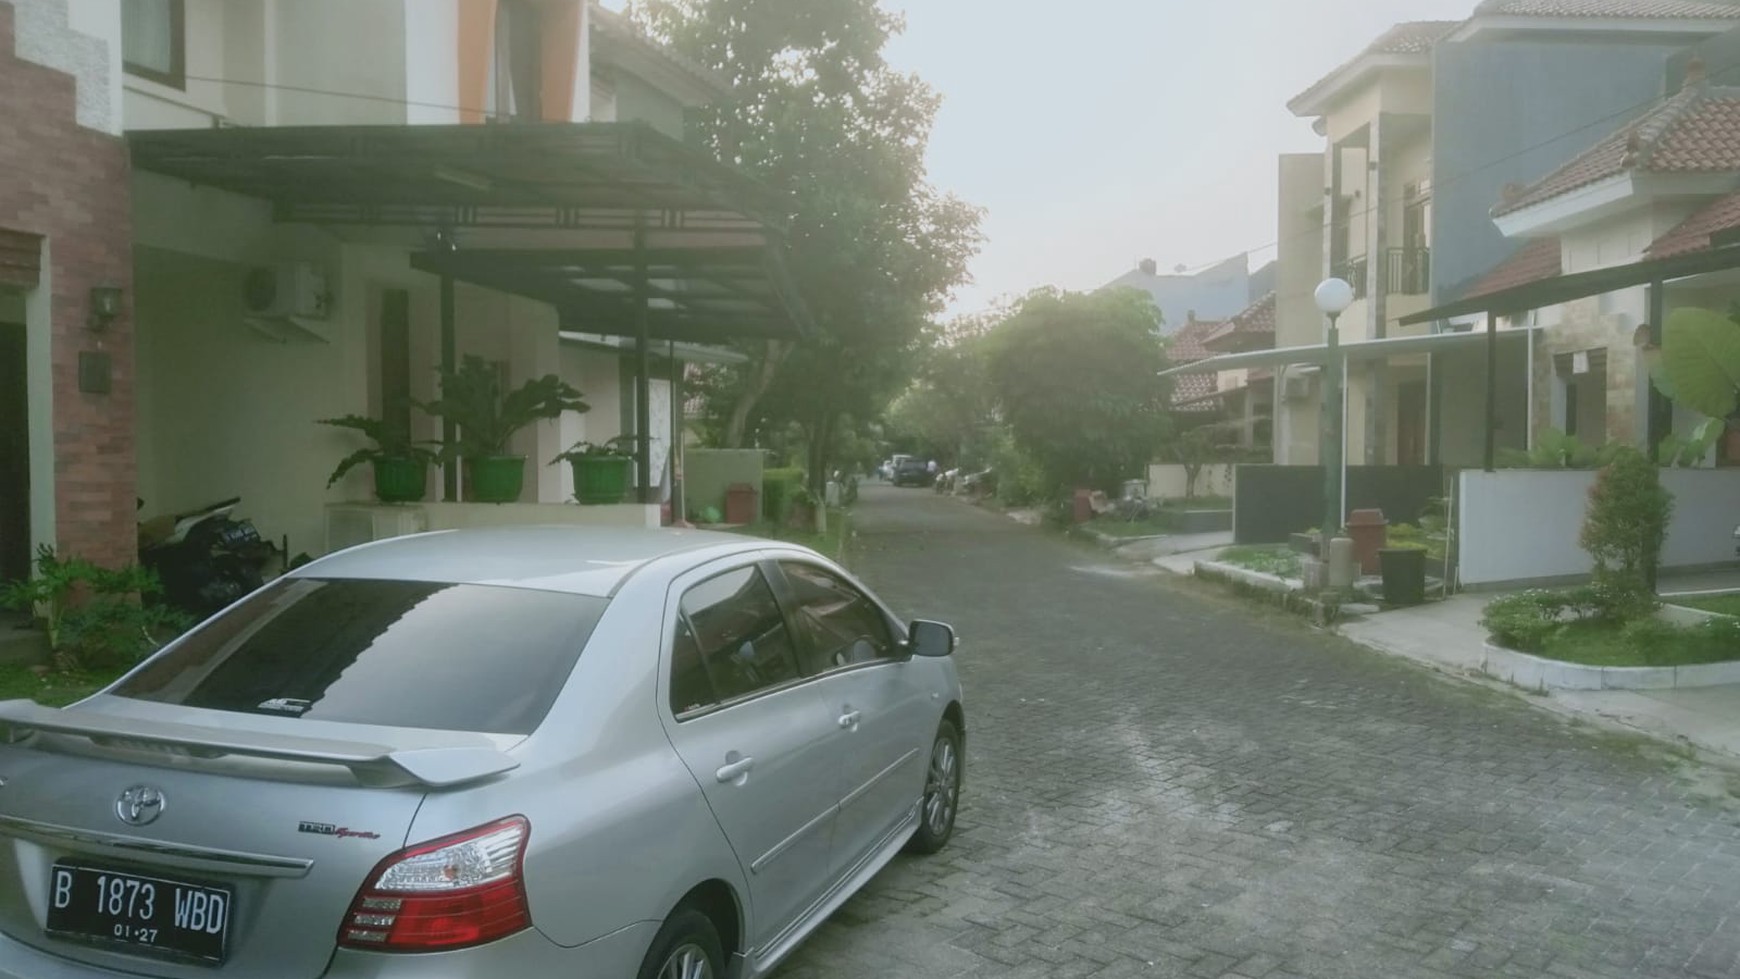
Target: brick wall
{"x": 69, "y": 185}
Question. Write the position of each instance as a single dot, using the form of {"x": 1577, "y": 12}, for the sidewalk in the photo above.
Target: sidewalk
{"x": 1447, "y": 636}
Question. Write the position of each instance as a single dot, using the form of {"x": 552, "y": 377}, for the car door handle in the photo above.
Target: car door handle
{"x": 850, "y": 719}
{"x": 734, "y": 770}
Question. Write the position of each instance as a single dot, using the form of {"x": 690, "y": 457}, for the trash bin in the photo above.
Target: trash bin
{"x": 1083, "y": 508}
{"x": 742, "y": 504}
{"x": 1370, "y": 532}
{"x": 1404, "y": 571}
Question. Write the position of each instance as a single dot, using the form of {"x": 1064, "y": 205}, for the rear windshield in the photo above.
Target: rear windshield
{"x": 391, "y": 653}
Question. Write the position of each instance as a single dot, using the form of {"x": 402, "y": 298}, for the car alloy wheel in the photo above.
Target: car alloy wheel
{"x": 940, "y": 803}
{"x": 687, "y": 962}
{"x": 942, "y": 787}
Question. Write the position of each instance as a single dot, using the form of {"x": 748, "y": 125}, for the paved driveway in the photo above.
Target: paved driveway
{"x": 1163, "y": 783}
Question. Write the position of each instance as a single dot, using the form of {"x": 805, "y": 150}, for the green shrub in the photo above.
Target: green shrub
{"x": 1624, "y": 531}
{"x": 1283, "y": 562}
{"x": 1653, "y": 640}
{"x": 93, "y": 615}
{"x": 1525, "y": 621}
{"x": 1020, "y": 481}
{"x": 780, "y": 488}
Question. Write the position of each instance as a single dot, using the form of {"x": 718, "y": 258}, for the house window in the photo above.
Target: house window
{"x": 1582, "y": 379}
{"x": 518, "y": 75}
{"x": 154, "y": 40}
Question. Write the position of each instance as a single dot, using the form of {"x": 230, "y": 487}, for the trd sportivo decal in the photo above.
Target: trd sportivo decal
{"x": 342, "y": 832}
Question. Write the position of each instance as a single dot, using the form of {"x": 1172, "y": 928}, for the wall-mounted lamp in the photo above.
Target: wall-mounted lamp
{"x": 105, "y": 307}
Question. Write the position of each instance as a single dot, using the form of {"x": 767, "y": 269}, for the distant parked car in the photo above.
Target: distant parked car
{"x": 485, "y": 754}
{"x": 912, "y": 472}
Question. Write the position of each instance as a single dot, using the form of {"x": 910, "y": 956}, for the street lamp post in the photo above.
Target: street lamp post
{"x": 1333, "y": 297}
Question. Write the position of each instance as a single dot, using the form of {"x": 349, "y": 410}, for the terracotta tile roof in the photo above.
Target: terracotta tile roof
{"x": 1694, "y": 233}
{"x": 1251, "y": 329}
{"x": 1696, "y": 130}
{"x": 1623, "y": 9}
{"x": 1185, "y": 347}
{"x": 1539, "y": 259}
{"x": 1410, "y": 37}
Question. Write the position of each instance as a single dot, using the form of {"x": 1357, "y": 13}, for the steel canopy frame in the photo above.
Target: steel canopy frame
{"x": 1655, "y": 273}
{"x": 624, "y": 230}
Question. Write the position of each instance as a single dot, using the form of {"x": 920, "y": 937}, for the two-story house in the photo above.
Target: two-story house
{"x": 328, "y": 200}
{"x": 1422, "y": 132}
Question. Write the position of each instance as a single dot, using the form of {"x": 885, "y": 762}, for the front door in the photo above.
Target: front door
{"x": 1411, "y": 424}
{"x": 14, "y": 456}
{"x": 756, "y": 737}
{"x": 887, "y": 719}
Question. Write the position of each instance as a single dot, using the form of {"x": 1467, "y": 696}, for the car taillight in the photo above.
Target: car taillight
{"x": 461, "y": 890}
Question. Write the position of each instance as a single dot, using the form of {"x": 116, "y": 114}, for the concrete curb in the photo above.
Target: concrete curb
{"x": 1538, "y": 673}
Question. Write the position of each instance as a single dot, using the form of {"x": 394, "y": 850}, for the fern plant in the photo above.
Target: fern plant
{"x": 390, "y": 442}
{"x": 488, "y": 415}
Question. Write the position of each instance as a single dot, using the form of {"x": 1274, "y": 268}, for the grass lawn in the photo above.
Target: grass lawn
{"x": 831, "y": 544}
{"x": 1722, "y": 604}
{"x": 1595, "y": 643}
{"x": 55, "y": 690}
{"x": 1199, "y": 503}
{"x": 1276, "y": 560}
{"x": 1119, "y": 527}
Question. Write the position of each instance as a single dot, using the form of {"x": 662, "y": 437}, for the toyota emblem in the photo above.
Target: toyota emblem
{"x": 140, "y": 805}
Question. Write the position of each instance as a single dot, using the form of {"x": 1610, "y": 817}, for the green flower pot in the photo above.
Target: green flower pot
{"x": 401, "y": 480}
{"x": 602, "y": 479}
{"x": 497, "y": 479}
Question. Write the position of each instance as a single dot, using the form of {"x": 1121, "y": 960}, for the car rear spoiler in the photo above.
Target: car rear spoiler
{"x": 436, "y": 767}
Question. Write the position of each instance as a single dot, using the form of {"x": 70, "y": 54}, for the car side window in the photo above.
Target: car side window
{"x": 836, "y": 624}
{"x": 731, "y": 641}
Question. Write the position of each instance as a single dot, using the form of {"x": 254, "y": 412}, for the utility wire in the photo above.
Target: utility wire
{"x": 1371, "y": 206}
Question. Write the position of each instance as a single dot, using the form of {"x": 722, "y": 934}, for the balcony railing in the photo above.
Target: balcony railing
{"x": 1409, "y": 272}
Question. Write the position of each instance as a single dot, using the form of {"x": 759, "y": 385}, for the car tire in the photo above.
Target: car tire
{"x": 688, "y": 939}
{"x": 941, "y": 801}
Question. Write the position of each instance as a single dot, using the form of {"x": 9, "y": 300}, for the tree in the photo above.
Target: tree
{"x": 1198, "y": 447}
{"x": 949, "y": 410}
{"x": 1624, "y": 530}
{"x": 1077, "y": 377}
{"x": 821, "y": 118}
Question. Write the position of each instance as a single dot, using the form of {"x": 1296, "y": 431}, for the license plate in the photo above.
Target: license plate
{"x": 172, "y": 917}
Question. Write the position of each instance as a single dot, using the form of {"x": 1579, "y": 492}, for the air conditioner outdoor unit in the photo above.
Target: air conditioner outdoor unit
{"x": 1297, "y": 387}
{"x": 288, "y": 301}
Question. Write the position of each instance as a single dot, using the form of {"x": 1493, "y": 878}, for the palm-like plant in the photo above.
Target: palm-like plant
{"x": 391, "y": 442}
{"x": 475, "y": 399}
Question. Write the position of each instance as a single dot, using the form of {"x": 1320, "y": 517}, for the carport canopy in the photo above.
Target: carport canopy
{"x": 1354, "y": 351}
{"x": 625, "y": 231}
{"x": 604, "y": 221}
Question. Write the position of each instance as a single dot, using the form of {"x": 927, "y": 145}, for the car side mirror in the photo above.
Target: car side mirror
{"x": 930, "y": 639}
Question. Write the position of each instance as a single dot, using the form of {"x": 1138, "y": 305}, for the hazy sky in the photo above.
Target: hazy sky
{"x": 1100, "y": 132}
{"x": 1096, "y": 133}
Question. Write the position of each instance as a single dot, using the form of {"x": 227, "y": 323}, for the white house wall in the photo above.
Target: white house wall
{"x": 431, "y": 32}
{"x": 343, "y": 62}
{"x": 1519, "y": 526}
{"x": 223, "y": 411}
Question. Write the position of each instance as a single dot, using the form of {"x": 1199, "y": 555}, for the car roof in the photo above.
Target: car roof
{"x": 581, "y": 560}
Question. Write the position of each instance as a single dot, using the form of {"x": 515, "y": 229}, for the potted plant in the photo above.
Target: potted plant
{"x": 601, "y": 472}
{"x": 401, "y": 466}
{"x": 488, "y": 415}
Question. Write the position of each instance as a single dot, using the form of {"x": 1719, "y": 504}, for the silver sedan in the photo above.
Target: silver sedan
{"x": 517, "y": 752}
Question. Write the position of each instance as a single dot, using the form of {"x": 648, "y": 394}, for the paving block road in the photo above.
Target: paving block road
{"x": 1165, "y": 782}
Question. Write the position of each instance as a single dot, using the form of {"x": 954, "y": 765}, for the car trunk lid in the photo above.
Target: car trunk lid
{"x": 269, "y": 824}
